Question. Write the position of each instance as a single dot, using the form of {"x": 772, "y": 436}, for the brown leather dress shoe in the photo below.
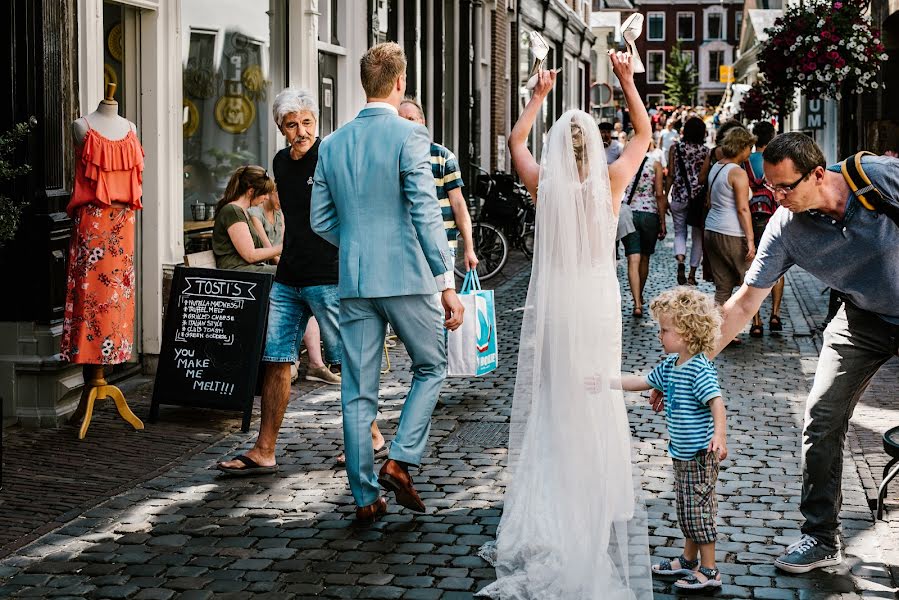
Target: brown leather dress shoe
{"x": 366, "y": 515}
{"x": 395, "y": 478}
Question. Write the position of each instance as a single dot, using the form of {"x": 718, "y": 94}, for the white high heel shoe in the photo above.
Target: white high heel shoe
{"x": 540, "y": 49}
{"x": 631, "y": 29}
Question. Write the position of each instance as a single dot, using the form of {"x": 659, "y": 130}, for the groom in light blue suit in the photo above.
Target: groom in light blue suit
{"x": 374, "y": 198}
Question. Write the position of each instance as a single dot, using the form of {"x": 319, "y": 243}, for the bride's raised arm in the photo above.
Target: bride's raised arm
{"x": 622, "y": 171}
{"x": 522, "y": 160}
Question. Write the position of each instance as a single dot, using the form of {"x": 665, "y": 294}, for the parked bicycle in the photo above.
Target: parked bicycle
{"x": 502, "y": 216}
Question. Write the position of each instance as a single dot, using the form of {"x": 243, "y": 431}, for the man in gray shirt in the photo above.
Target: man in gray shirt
{"x": 613, "y": 147}
{"x": 823, "y": 228}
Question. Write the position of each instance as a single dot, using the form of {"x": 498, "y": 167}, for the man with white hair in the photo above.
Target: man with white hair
{"x": 305, "y": 283}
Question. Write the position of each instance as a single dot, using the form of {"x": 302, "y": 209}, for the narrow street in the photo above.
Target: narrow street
{"x": 188, "y": 533}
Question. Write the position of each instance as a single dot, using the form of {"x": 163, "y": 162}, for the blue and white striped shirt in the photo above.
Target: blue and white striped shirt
{"x": 688, "y": 388}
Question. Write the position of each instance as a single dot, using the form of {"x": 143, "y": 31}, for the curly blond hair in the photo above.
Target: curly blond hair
{"x": 696, "y": 317}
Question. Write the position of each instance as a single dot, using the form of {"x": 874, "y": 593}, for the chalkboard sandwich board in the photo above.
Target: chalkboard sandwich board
{"x": 212, "y": 340}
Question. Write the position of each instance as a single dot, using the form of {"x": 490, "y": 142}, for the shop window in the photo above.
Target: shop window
{"x": 685, "y": 26}
{"x": 226, "y": 102}
{"x": 655, "y": 31}
{"x": 655, "y": 66}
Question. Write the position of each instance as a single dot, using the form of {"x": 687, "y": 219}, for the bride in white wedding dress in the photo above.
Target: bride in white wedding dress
{"x": 573, "y": 525}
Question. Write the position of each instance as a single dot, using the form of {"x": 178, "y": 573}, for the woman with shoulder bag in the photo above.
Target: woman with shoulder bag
{"x": 648, "y": 204}
{"x": 685, "y": 161}
{"x": 729, "y": 240}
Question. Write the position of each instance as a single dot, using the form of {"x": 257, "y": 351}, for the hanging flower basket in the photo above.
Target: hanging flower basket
{"x": 822, "y": 48}
{"x": 760, "y": 102}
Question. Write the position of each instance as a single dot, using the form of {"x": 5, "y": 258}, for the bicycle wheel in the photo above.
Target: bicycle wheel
{"x": 491, "y": 247}
{"x": 527, "y": 242}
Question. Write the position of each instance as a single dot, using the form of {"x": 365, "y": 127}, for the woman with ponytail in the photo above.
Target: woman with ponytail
{"x": 235, "y": 242}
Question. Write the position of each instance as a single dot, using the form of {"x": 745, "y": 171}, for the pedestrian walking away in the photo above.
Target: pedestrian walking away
{"x": 393, "y": 156}
{"x": 685, "y": 162}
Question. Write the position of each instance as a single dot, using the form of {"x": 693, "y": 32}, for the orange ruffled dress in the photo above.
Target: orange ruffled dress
{"x": 99, "y": 315}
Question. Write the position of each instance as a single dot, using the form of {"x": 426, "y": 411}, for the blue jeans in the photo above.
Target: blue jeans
{"x": 289, "y": 310}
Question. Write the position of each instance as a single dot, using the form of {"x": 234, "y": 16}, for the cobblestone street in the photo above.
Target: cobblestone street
{"x": 189, "y": 533}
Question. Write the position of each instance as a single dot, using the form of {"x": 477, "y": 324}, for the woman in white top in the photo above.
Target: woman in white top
{"x": 729, "y": 241}
{"x": 648, "y": 204}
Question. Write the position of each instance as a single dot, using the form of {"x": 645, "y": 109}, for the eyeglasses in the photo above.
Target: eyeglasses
{"x": 786, "y": 189}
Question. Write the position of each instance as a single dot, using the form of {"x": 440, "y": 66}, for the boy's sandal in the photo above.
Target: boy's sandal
{"x": 774, "y": 323}
{"x": 756, "y": 331}
{"x": 666, "y": 568}
{"x": 692, "y": 582}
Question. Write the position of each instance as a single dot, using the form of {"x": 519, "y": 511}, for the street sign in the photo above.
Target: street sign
{"x": 726, "y": 74}
{"x": 812, "y": 113}
{"x": 600, "y": 94}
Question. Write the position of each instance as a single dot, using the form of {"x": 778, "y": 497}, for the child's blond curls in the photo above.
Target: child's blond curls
{"x": 694, "y": 314}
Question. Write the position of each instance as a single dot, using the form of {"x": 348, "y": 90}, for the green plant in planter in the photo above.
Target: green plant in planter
{"x": 11, "y": 208}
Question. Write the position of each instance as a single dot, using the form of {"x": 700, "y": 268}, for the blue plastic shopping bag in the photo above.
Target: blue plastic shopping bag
{"x": 472, "y": 348}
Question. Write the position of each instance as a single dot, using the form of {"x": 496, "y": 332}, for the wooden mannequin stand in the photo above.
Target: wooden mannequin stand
{"x": 100, "y": 389}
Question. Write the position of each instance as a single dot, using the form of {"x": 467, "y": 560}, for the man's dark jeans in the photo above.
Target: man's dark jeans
{"x": 856, "y": 344}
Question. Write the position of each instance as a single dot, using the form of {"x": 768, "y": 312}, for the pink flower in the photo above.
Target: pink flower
{"x": 838, "y": 5}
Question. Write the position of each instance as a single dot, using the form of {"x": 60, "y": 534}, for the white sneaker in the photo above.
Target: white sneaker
{"x": 322, "y": 374}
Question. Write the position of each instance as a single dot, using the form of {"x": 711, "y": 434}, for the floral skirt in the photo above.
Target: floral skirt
{"x": 99, "y": 318}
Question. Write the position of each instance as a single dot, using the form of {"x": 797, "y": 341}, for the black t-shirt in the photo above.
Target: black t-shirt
{"x": 306, "y": 259}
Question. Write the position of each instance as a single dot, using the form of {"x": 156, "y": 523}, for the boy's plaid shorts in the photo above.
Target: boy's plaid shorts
{"x": 697, "y": 503}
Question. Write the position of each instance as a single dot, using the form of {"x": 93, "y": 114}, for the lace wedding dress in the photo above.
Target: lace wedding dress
{"x": 573, "y": 527}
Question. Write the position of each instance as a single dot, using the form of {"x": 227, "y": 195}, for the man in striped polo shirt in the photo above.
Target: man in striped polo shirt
{"x": 448, "y": 180}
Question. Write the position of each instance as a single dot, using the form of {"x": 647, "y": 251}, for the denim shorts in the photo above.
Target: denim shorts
{"x": 289, "y": 310}
{"x": 648, "y": 226}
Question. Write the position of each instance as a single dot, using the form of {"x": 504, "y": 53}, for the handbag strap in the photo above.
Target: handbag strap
{"x": 714, "y": 179}
{"x": 471, "y": 283}
{"x": 681, "y": 166}
{"x": 630, "y": 197}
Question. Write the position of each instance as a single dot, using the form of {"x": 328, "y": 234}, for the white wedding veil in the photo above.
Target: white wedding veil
{"x": 573, "y": 526}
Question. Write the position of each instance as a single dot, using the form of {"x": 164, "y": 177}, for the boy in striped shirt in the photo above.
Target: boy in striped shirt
{"x": 689, "y": 323}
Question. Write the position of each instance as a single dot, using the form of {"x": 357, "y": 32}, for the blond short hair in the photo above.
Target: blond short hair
{"x": 695, "y": 316}
{"x": 380, "y": 67}
{"x": 735, "y": 141}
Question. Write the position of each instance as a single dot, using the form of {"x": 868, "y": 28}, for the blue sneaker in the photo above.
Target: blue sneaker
{"x": 808, "y": 554}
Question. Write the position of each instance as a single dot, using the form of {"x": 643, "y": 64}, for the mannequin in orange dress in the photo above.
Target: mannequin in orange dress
{"x": 98, "y": 328}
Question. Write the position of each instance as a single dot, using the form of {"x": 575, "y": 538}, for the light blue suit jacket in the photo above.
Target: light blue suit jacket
{"x": 374, "y": 198}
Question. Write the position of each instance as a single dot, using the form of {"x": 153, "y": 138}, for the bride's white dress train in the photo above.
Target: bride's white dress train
{"x": 573, "y": 525}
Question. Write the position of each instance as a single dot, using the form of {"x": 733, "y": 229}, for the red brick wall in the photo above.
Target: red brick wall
{"x": 499, "y": 89}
